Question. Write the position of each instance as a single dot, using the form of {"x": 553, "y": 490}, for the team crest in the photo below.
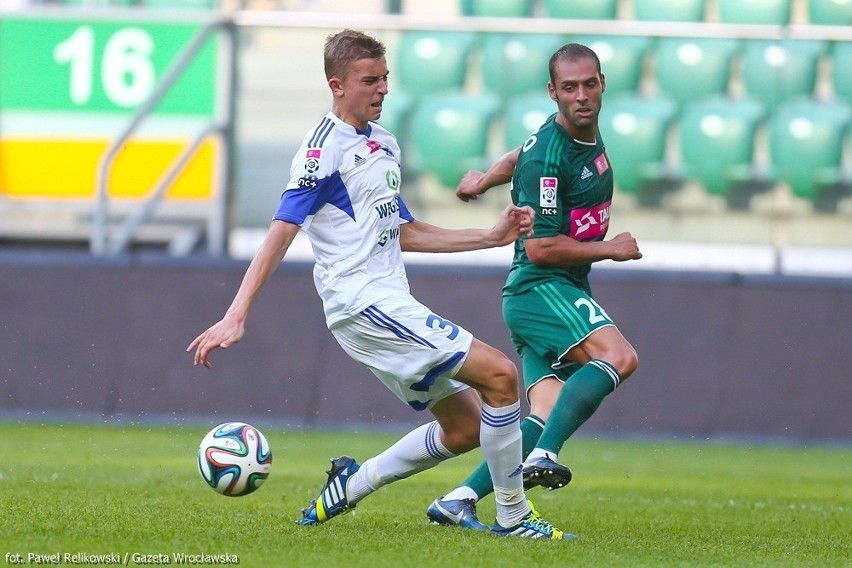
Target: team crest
{"x": 392, "y": 179}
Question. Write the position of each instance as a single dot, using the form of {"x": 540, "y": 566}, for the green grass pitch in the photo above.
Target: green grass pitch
{"x": 124, "y": 490}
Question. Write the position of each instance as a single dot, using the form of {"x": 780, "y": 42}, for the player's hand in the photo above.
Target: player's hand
{"x": 624, "y": 247}
{"x": 220, "y": 335}
{"x": 514, "y": 222}
{"x": 468, "y": 188}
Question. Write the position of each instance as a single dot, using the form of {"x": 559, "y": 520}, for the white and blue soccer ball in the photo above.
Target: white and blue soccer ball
{"x": 234, "y": 459}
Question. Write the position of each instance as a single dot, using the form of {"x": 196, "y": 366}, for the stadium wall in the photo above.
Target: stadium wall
{"x": 721, "y": 355}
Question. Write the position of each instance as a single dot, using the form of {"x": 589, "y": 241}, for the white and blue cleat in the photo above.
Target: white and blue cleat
{"x": 532, "y": 526}
{"x": 456, "y": 512}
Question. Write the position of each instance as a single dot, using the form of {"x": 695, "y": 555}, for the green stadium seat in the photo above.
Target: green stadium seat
{"x": 432, "y": 61}
{"x": 668, "y": 10}
{"x": 841, "y": 70}
{"x": 717, "y": 143}
{"x": 806, "y": 148}
{"x": 396, "y": 111}
{"x": 585, "y": 10}
{"x": 622, "y": 60}
{"x": 775, "y": 12}
{"x": 524, "y": 114}
{"x": 515, "y": 63}
{"x": 450, "y": 132}
{"x": 830, "y": 12}
{"x": 777, "y": 71}
{"x": 180, "y": 4}
{"x": 691, "y": 68}
{"x": 497, "y": 8}
{"x": 635, "y": 131}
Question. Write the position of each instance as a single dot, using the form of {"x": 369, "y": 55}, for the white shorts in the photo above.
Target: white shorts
{"x": 413, "y": 351}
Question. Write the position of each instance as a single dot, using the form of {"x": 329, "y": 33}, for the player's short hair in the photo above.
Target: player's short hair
{"x": 572, "y": 52}
{"x": 344, "y": 48}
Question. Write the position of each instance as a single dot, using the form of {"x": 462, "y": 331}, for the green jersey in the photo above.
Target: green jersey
{"x": 569, "y": 185}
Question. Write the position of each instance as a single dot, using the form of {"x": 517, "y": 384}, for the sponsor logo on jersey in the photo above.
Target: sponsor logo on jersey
{"x": 387, "y": 208}
{"x": 359, "y": 160}
{"x": 601, "y": 163}
{"x": 589, "y": 223}
{"x": 312, "y": 158}
{"x": 376, "y": 146}
{"x": 307, "y": 181}
{"x": 387, "y": 235}
{"x": 587, "y": 173}
{"x": 547, "y": 195}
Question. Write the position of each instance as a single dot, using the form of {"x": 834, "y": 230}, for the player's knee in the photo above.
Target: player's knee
{"x": 463, "y": 438}
{"x": 502, "y": 386}
{"x": 626, "y": 361}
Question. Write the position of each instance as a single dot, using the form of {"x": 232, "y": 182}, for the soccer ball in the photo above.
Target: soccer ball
{"x": 234, "y": 458}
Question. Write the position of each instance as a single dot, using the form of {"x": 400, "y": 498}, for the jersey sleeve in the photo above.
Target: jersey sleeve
{"x": 540, "y": 192}
{"x": 405, "y": 215}
{"x": 314, "y": 181}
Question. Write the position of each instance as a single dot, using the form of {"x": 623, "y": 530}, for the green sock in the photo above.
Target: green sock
{"x": 480, "y": 478}
{"x": 578, "y": 399}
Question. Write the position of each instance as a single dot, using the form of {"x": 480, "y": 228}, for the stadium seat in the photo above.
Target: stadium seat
{"x": 691, "y": 68}
{"x": 497, "y": 8}
{"x": 634, "y": 130}
{"x": 432, "y": 61}
{"x": 524, "y": 114}
{"x": 396, "y": 111}
{"x": 717, "y": 143}
{"x": 830, "y": 12}
{"x": 585, "y": 10}
{"x": 668, "y": 10}
{"x": 515, "y": 63}
{"x": 449, "y": 132}
{"x": 179, "y": 4}
{"x": 776, "y": 71}
{"x": 841, "y": 65}
{"x": 806, "y": 148}
{"x": 622, "y": 60}
{"x": 775, "y": 12}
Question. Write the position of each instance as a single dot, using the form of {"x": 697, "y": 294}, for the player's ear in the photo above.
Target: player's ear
{"x": 551, "y": 91}
{"x": 603, "y": 82}
{"x": 336, "y": 86}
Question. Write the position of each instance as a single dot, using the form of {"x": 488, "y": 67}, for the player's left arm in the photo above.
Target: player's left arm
{"x": 475, "y": 183}
{"x": 419, "y": 236}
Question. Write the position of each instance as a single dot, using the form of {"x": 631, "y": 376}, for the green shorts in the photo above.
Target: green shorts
{"x": 548, "y": 321}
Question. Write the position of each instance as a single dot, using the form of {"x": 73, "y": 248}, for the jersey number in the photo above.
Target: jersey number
{"x": 596, "y": 313}
{"x": 436, "y": 322}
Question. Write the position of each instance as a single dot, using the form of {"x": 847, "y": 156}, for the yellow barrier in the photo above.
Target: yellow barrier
{"x": 66, "y": 168}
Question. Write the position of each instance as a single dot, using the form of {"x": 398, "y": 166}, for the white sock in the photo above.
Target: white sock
{"x": 539, "y": 453}
{"x": 460, "y": 493}
{"x": 417, "y": 451}
{"x": 500, "y": 437}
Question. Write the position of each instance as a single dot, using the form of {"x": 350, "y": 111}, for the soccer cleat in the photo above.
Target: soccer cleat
{"x": 458, "y": 512}
{"x": 332, "y": 501}
{"x": 532, "y": 526}
{"x": 546, "y": 473}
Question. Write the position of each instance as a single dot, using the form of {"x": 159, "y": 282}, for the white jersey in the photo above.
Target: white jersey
{"x": 344, "y": 193}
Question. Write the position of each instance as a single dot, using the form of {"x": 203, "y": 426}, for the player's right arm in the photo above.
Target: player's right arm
{"x": 562, "y": 250}
{"x": 475, "y": 183}
{"x": 231, "y": 328}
